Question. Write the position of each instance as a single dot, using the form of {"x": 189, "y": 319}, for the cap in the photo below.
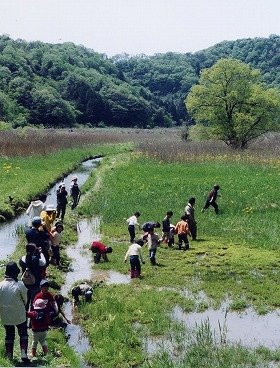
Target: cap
{"x": 50, "y": 207}
{"x": 39, "y": 304}
{"x": 44, "y": 282}
{"x": 63, "y": 185}
{"x": 74, "y": 178}
{"x": 36, "y": 221}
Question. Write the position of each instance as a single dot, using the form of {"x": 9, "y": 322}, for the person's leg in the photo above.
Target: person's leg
{"x": 186, "y": 242}
{"x": 9, "y": 341}
{"x": 43, "y": 342}
{"x": 207, "y": 204}
{"x": 97, "y": 257}
{"x": 131, "y": 230}
{"x": 153, "y": 256}
{"x": 192, "y": 227}
{"x": 105, "y": 257}
{"x": 35, "y": 343}
{"x": 58, "y": 210}
{"x": 132, "y": 266}
{"x": 23, "y": 340}
{"x": 137, "y": 267}
{"x": 216, "y": 208}
{"x": 180, "y": 241}
{"x": 63, "y": 210}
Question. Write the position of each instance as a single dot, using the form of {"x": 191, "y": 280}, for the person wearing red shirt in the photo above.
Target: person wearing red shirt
{"x": 51, "y": 306}
{"x": 100, "y": 249}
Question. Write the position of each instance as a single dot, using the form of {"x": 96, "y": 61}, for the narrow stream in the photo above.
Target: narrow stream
{"x": 8, "y": 231}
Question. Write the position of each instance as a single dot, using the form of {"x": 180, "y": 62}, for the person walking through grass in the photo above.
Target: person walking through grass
{"x": 135, "y": 256}
{"x": 132, "y": 222}
{"x": 189, "y": 211}
{"x": 211, "y": 199}
{"x": 182, "y": 229}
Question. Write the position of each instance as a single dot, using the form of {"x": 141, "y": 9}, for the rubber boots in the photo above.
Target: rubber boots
{"x": 9, "y": 349}
{"x": 23, "y": 349}
{"x": 45, "y": 350}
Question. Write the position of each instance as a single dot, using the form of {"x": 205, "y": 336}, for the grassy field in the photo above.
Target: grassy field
{"x": 236, "y": 257}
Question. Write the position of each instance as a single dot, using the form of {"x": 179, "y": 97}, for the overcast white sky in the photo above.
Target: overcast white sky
{"x": 139, "y": 26}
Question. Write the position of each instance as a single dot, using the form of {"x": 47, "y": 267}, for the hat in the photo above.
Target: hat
{"x": 63, "y": 185}
{"x": 39, "y": 304}
{"x": 44, "y": 282}
{"x": 12, "y": 270}
{"x": 74, "y": 178}
{"x": 36, "y": 221}
{"x": 50, "y": 207}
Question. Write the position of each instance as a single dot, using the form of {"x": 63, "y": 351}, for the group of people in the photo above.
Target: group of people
{"x": 26, "y": 301}
{"x": 187, "y": 226}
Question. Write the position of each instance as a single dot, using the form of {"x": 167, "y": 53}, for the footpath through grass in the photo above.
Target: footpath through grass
{"x": 236, "y": 258}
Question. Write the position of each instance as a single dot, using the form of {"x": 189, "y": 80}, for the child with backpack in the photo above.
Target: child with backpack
{"x": 40, "y": 323}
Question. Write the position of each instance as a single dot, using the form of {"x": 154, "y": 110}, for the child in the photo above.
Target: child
{"x": 40, "y": 322}
{"x": 153, "y": 242}
{"x": 135, "y": 255}
{"x": 55, "y": 242}
{"x": 100, "y": 249}
{"x": 182, "y": 229}
{"x": 211, "y": 199}
{"x": 82, "y": 290}
{"x": 132, "y": 221}
{"x": 166, "y": 229}
{"x": 189, "y": 211}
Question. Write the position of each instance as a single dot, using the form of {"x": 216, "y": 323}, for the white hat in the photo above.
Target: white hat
{"x": 50, "y": 207}
{"x": 39, "y": 304}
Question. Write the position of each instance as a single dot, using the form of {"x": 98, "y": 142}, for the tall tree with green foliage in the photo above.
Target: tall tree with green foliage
{"x": 231, "y": 97}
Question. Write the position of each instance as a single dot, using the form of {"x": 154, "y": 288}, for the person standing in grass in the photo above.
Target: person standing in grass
{"x": 153, "y": 241}
{"x": 40, "y": 322}
{"x": 132, "y": 222}
{"x": 135, "y": 256}
{"x": 166, "y": 229}
{"x": 189, "y": 211}
{"x": 182, "y": 229}
{"x": 13, "y": 298}
{"x": 211, "y": 199}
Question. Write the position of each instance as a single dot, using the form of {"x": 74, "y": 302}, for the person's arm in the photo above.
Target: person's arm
{"x": 23, "y": 292}
{"x": 42, "y": 260}
{"x": 140, "y": 256}
{"x": 63, "y": 315}
{"x": 127, "y": 254}
{"x": 29, "y": 209}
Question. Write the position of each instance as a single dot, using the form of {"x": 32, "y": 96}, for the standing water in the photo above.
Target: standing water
{"x": 8, "y": 231}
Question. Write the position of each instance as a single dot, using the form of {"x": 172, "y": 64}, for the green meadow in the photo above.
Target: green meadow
{"x": 236, "y": 257}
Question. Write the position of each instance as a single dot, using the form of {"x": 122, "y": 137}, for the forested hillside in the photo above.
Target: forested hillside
{"x": 65, "y": 84}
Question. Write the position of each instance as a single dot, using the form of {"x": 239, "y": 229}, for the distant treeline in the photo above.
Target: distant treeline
{"x": 63, "y": 85}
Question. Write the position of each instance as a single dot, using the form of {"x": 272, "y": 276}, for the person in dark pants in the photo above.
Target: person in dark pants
{"x": 166, "y": 233}
{"x": 132, "y": 222}
{"x": 211, "y": 199}
{"x": 75, "y": 192}
{"x": 100, "y": 249}
{"x": 182, "y": 229}
{"x": 82, "y": 290}
{"x": 61, "y": 198}
{"x": 13, "y": 297}
{"x": 189, "y": 211}
{"x": 135, "y": 255}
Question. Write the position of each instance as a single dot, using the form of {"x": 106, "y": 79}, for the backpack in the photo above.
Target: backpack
{"x": 41, "y": 316}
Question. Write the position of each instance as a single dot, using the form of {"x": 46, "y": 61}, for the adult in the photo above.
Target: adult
{"x": 39, "y": 236}
{"x": 189, "y": 211}
{"x": 35, "y": 261}
{"x": 61, "y": 198}
{"x": 100, "y": 250}
{"x": 13, "y": 298}
{"x": 211, "y": 199}
{"x": 36, "y": 207}
{"x": 48, "y": 216}
{"x": 75, "y": 192}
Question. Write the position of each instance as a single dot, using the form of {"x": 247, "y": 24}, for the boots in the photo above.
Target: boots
{"x": 34, "y": 352}
{"x": 9, "y": 349}
{"x": 45, "y": 350}
{"x": 23, "y": 349}
{"x": 132, "y": 274}
{"x": 136, "y": 273}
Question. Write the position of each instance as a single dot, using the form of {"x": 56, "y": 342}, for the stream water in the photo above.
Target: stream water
{"x": 8, "y": 230}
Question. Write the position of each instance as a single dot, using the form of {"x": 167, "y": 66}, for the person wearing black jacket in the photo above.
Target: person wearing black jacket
{"x": 61, "y": 197}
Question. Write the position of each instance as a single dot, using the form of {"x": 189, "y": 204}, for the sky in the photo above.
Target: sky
{"x": 139, "y": 26}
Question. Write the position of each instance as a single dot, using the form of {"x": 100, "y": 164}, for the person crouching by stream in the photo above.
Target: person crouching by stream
{"x": 100, "y": 250}
{"x": 84, "y": 290}
{"x": 135, "y": 255}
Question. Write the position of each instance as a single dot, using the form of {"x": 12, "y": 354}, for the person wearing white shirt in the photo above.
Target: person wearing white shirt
{"x": 132, "y": 222}
{"x": 135, "y": 255}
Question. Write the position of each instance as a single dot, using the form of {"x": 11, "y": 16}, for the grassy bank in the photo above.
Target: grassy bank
{"x": 235, "y": 259}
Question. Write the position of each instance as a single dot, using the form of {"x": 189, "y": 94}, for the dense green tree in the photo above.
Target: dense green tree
{"x": 231, "y": 97}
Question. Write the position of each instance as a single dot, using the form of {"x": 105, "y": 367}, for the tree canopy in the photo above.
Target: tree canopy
{"x": 232, "y": 98}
